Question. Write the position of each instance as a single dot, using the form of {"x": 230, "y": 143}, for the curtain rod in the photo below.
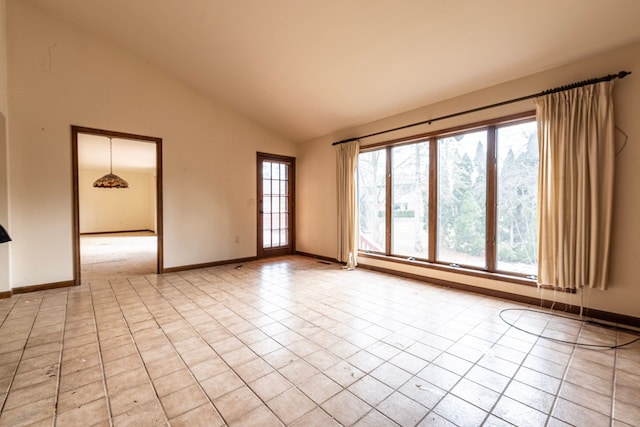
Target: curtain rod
{"x": 620, "y": 75}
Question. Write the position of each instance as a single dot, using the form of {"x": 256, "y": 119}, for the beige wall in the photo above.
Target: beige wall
{"x": 108, "y": 210}
{"x": 61, "y": 76}
{"x": 317, "y": 207}
{"x": 4, "y": 164}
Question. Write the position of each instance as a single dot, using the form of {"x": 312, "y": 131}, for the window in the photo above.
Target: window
{"x": 465, "y": 199}
{"x": 410, "y": 191}
{"x": 462, "y": 197}
{"x": 372, "y": 189}
{"x": 517, "y": 198}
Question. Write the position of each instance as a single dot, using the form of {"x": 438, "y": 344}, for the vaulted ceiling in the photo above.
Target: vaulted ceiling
{"x": 308, "y": 68}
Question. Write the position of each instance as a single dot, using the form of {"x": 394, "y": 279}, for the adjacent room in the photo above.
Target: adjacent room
{"x": 329, "y": 213}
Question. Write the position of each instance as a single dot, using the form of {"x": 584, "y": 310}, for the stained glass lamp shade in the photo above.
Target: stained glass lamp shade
{"x": 110, "y": 180}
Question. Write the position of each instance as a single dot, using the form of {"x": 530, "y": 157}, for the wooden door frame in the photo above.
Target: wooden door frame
{"x": 261, "y": 251}
{"x": 75, "y": 130}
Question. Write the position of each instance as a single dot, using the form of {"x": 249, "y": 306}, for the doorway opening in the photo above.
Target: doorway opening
{"x": 116, "y": 231}
{"x": 276, "y": 205}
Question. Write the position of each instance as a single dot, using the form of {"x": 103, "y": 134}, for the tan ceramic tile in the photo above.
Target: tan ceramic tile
{"x": 440, "y": 377}
{"x": 34, "y": 377}
{"x": 627, "y": 392}
{"x": 425, "y": 393}
{"x": 11, "y": 346}
{"x": 209, "y": 368}
{"x": 148, "y": 413}
{"x": 80, "y": 378}
{"x": 109, "y": 343}
{"x": 592, "y": 368}
{"x": 239, "y": 356}
{"x": 530, "y": 396}
{"x": 164, "y": 366}
{"x": 39, "y": 350}
{"x": 585, "y": 397}
{"x": 202, "y": 416}
{"x": 346, "y": 408}
{"x": 253, "y": 370}
{"x": 237, "y": 403}
{"x": 343, "y": 349}
{"x": 199, "y": 355}
{"x": 173, "y": 382}
{"x": 475, "y": 394}
{"x": 119, "y": 382}
{"x": 80, "y": 340}
{"x": 626, "y": 412}
{"x": 578, "y": 415}
{"x": 124, "y": 364}
{"x": 459, "y": 412}
{"x": 370, "y": 390}
{"x": 261, "y": 416}
{"x": 280, "y": 358}
{"x": 38, "y": 362}
{"x": 592, "y": 382}
{"x": 538, "y": 380}
{"x": 28, "y": 414}
{"x": 265, "y": 346}
{"x": 344, "y": 373}
{"x": 33, "y": 393}
{"x": 316, "y": 418}
{"x": 79, "y": 363}
{"x": 298, "y": 371}
{"x": 182, "y": 401}
{"x": 365, "y": 361}
{"x": 319, "y": 388}
{"x": 375, "y": 418}
{"x": 80, "y": 396}
{"x": 221, "y": 384}
{"x": 291, "y": 405}
{"x": 402, "y": 410}
{"x": 92, "y": 412}
{"x": 114, "y": 353}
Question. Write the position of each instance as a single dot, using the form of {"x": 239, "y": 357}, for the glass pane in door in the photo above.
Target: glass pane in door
{"x": 275, "y": 203}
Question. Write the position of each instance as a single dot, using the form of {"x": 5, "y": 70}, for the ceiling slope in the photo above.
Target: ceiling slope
{"x": 307, "y": 68}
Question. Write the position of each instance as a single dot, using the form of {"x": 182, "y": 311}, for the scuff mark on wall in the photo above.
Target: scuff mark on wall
{"x": 47, "y": 62}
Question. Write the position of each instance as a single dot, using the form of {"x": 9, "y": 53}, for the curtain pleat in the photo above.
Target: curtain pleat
{"x": 576, "y": 138}
{"x": 347, "y": 159}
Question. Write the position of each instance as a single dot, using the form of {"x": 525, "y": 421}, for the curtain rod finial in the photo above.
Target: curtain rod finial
{"x": 623, "y": 74}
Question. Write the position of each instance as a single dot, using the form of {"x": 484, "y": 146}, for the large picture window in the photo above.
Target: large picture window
{"x": 460, "y": 199}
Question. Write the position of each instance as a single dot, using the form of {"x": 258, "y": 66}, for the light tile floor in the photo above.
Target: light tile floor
{"x": 116, "y": 255}
{"x": 299, "y": 342}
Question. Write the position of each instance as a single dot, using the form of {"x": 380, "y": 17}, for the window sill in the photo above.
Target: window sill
{"x": 519, "y": 280}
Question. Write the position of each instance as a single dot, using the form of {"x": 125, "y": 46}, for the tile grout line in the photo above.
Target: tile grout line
{"x": 57, "y": 394}
{"x": 474, "y": 364}
{"x": 538, "y": 339}
{"x": 104, "y": 375}
{"x": 612, "y": 413}
{"x": 260, "y": 357}
{"x": 209, "y": 345}
{"x": 564, "y": 376}
{"x": 24, "y": 347}
{"x": 174, "y": 347}
{"x": 135, "y": 343}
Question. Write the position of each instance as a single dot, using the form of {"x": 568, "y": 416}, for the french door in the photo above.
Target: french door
{"x": 276, "y": 205}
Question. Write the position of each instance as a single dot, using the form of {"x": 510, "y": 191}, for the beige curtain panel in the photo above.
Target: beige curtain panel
{"x": 347, "y": 158}
{"x": 576, "y": 137}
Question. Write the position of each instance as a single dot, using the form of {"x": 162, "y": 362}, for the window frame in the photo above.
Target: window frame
{"x": 490, "y": 270}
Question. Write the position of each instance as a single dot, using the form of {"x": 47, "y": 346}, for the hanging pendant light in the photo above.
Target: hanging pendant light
{"x": 110, "y": 180}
